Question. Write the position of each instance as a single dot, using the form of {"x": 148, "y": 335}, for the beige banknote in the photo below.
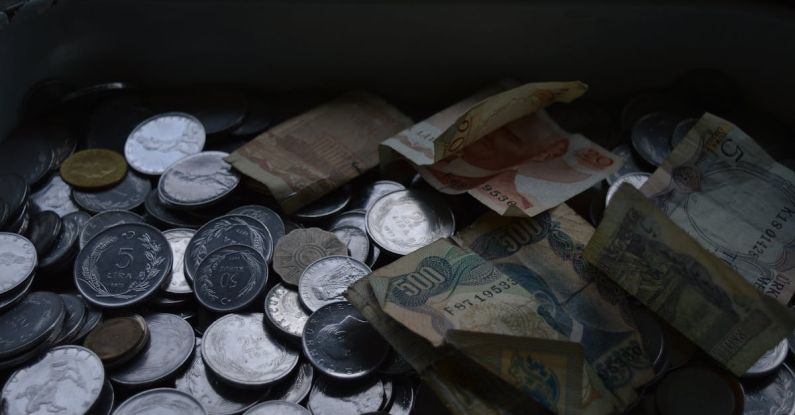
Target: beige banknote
{"x": 310, "y": 155}
{"x": 727, "y": 193}
{"x": 697, "y": 293}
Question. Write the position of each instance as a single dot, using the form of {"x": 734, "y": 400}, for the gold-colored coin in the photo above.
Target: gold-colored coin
{"x": 118, "y": 340}
{"x": 94, "y": 169}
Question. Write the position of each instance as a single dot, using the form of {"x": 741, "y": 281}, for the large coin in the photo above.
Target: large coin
{"x": 770, "y": 361}
{"x": 75, "y": 317}
{"x": 325, "y": 206}
{"x": 302, "y": 247}
{"x": 166, "y": 216}
{"x": 331, "y": 397}
{"x": 374, "y": 191}
{"x": 178, "y": 239}
{"x": 94, "y": 169}
{"x": 30, "y": 322}
{"x": 44, "y": 230}
{"x": 14, "y": 191}
{"x": 404, "y": 221}
{"x": 278, "y": 408}
{"x": 127, "y": 195}
{"x": 356, "y": 240}
{"x": 170, "y": 346}
{"x": 698, "y": 390}
{"x": 230, "y": 278}
{"x": 18, "y": 260}
{"x": 54, "y": 195}
{"x": 123, "y": 265}
{"x": 27, "y": 154}
{"x": 198, "y": 180}
{"x": 161, "y": 401}
{"x": 325, "y": 280}
{"x": 66, "y": 380}
{"x": 267, "y": 217}
{"x": 239, "y": 350}
{"x": 635, "y": 179}
{"x": 296, "y": 388}
{"x": 67, "y": 244}
{"x": 106, "y": 220}
{"x": 774, "y": 395}
{"x": 159, "y": 141}
{"x": 340, "y": 342}
{"x": 117, "y": 340}
{"x": 284, "y": 310}
{"x": 651, "y": 136}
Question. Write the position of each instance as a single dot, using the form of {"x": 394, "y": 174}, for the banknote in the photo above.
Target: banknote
{"x": 697, "y": 293}
{"x": 312, "y": 154}
{"x": 727, "y": 193}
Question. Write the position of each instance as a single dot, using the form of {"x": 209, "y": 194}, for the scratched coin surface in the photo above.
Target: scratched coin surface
{"x": 93, "y": 169}
{"x": 14, "y": 191}
{"x": 325, "y": 280}
{"x": 770, "y": 361}
{"x": 284, "y": 310}
{"x": 296, "y": 388}
{"x": 119, "y": 339}
{"x": 161, "y": 140}
{"x": 302, "y": 247}
{"x": 406, "y": 220}
{"x": 278, "y": 408}
{"x": 123, "y": 265}
{"x": 330, "y": 397}
{"x": 105, "y": 220}
{"x": 266, "y": 216}
{"x": 198, "y": 180}
{"x": 66, "y": 246}
{"x": 635, "y": 179}
{"x": 54, "y": 195}
{"x": 341, "y": 343}
{"x": 773, "y": 395}
{"x": 239, "y": 350}
{"x": 126, "y": 195}
{"x": 230, "y": 278}
{"x": 18, "y": 260}
{"x": 65, "y": 380}
{"x": 178, "y": 239}
{"x": 356, "y": 240}
{"x": 29, "y": 322}
{"x": 161, "y": 401}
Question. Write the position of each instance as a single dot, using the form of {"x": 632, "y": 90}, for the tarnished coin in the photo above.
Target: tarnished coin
{"x": 178, "y": 239}
{"x": 30, "y": 322}
{"x": 54, "y": 195}
{"x": 230, "y": 278}
{"x": 161, "y": 140}
{"x": 105, "y": 220}
{"x": 402, "y": 397}
{"x": 267, "y": 217}
{"x": 74, "y": 319}
{"x": 406, "y": 220}
{"x": 27, "y": 154}
{"x": 331, "y": 397}
{"x": 356, "y": 240}
{"x": 284, "y": 310}
{"x": 325, "y": 206}
{"x": 296, "y": 388}
{"x": 93, "y": 169}
{"x": 170, "y": 346}
{"x": 698, "y": 390}
{"x": 340, "y": 342}
{"x": 67, "y": 244}
{"x": 117, "y": 340}
{"x": 651, "y": 136}
{"x": 374, "y": 191}
{"x": 14, "y": 191}
{"x": 44, "y": 230}
{"x": 225, "y": 231}
{"x": 127, "y": 195}
{"x": 18, "y": 260}
{"x": 123, "y": 265}
{"x": 278, "y": 408}
{"x": 630, "y": 164}
{"x": 637, "y": 180}
{"x": 774, "y": 395}
{"x": 681, "y": 130}
{"x": 355, "y": 218}
{"x": 198, "y": 180}
{"x": 239, "y": 350}
{"x": 161, "y": 401}
{"x": 770, "y": 361}
{"x": 302, "y": 247}
{"x": 325, "y": 280}
{"x": 168, "y": 217}
{"x": 66, "y": 380}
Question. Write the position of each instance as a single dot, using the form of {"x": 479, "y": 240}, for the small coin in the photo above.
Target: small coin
{"x": 117, "y": 340}
{"x": 28, "y": 323}
{"x": 637, "y": 180}
{"x": 198, "y": 180}
{"x": 239, "y": 350}
{"x": 681, "y": 130}
{"x": 14, "y": 191}
{"x": 113, "y": 120}
{"x": 331, "y": 397}
{"x": 94, "y": 169}
{"x": 278, "y": 408}
{"x": 301, "y": 247}
{"x": 267, "y": 217}
{"x": 230, "y": 278}
{"x": 129, "y": 194}
{"x": 770, "y": 361}
{"x": 159, "y": 141}
{"x": 27, "y": 154}
{"x": 178, "y": 239}
{"x": 325, "y": 280}
{"x": 355, "y": 218}
{"x": 356, "y": 240}
{"x": 325, "y": 206}
{"x": 123, "y": 265}
{"x": 402, "y": 397}
{"x": 284, "y": 310}
{"x": 66, "y": 380}
{"x": 374, "y": 191}
{"x": 44, "y": 230}
{"x": 630, "y": 164}
{"x": 651, "y": 136}
{"x": 773, "y": 395}
{"x": 698, "y": 390}
{"x": 340, "y": 342}
{"x": 74, "y": 319}
{"x": 106, "y": 220}
{"x": 165, "y": 216}
{"x": 66, "y": 246}
{"x": 161, "y": 401}
{"x": 406, "y": 220}
{"x": 54, "y": 195}
{"x": 18, "y": 260}
{"x": 170, "y": 346}
{"x": 296, "y": 388}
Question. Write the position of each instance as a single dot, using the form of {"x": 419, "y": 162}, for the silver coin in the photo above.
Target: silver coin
{"x": 171, "y": 341}
{"x": 355, "y": 218}
{"x": 278, "y": 408}
{"x": 267, "y": 217}
{"x": 54, "y": 195}
{"x": 230, "y": 278}
{"x": 28, "y": 356}
{"x": 66, "y": 380}
{"x": 18, "y": 260}
{"x": 653, "y": 337}
{"x": 198, "y": 180}
{"x": 774, "y": 395}
{"x": 356, "y": 240}
{"x": 239, "y": 350}
{"x": 402, "y": 397}
{"x": 28, "y": 323}
{"x": 325, "y": 280}
{"x": 178, "y": 239}
{"x": 284, "y": 310}
{"x": 128, "y": 194}
{"x": 159, "y": 141}
{"x": 66, "y": 246}
{"x": 302, "y": 247}
{"x": 374, "y": 191}
{"x": 296, "y": 388}
{"x": 325, "y": 206}
{"x": 105, "y": 220}
{"x": 330, "y": 397}
{"x": 651, "y": 136}
{"x": 388, "y": 390}
{"x": 637, "y": 180}
{"x": 630, "y": 164}
{"x": 406, "y": 220}
{"x": 161, "y": 401}
{"x": 93, "y": 318}
{"x": 770, "y": 361}
{"x": 74, "y": 319}
{"x": 681, "y": 130}
{"x": 342, "y": 344}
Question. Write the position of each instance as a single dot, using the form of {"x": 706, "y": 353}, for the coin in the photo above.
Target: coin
{"x": 117, "y": 340}
{"x": 325, "y": 280}
{"x": 325, "y": 206}
{"x": 278, "y": 408}
{"x": 30, "y": 355}
{"x": 356, "y": 240}
{"x": 630, "y": 164}
{"x": 198, "y": 180}
{"x": 267, "y": 217}
{"x": 290, "y": 226}
{"x": 161, "y": 401}
{"x": 54, "y": 195}
{"x": 218, "y": 109}
{"x": 355, "y": 218}
{"x": 770, "y": 361}
{"x": 170, "y": 346}
{"x": 66, "y": 246}
{"x": 698, "y": 390}
{"x": 113, "y": 120}
{"x": 178, "y": 239}
{"x": 129, "y": 194}
{"x": 340, "y": 343}
{"x": 93, "y": 319}
{"x": 403, "y": 397}
{"x": 301, "y": 247}
{"x": 774, "y": 395}
{"x": 66, "y": 380}
{"x": 406, "y": 220}
{"x": 107, "y": 397}
{"x": 4, "y": 214}
{"x": 29, "y": 322}
{"x": 637, "y": 180}
{"x": 284, "y": 310}
{"x": 159, "y": 141}
{"x": 105, "y": 220}
{"x": 295, "y": 388}
{"x": 17, "y": 261}
{"x": 681, "y": 130}
{"x": 331, "y": 397}
{"x": 258, "y": 119}
{"x": 388, "y": 390}
{"x": 74, "y": 319}
{"x": 21, "y": 225}
{"x": 230, "y": 278}
{"x": 239, "y": 350}
{"x": 14, "y": 191}
{"x": 374, "y": 191}
{"x": 27, "y": 154}
{"x": 167, "y": 217}
{"x": 14, "y": 296}
{"x": 44, "y": 230}
{"x": 93, "y": 169}
{"x": 88, "y": 95}
{"x": 653, "y": 336}
{"x": 123, "y": 265}
{"x": 651, "y": 136}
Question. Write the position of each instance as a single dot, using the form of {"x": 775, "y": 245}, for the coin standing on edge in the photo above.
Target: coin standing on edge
{"x": 230, "y": 278}
{"x": 94, "y": 169}
{"x": 302, "y": 247}
{"x": 66, "y": 247}
{"x": 178, "y": 239}
{"x": 284, "y": 310}
{"x": 161, "y": 401}
{"x": 161, "y": 140}
{"x": 774, "y": 395}
{"x": 74, "y": 319}
{"x": 44, "y": 230}
{"x": 324, "y": 281}
{"x": 296, "y": 388}
{"x": 197, "y": 181}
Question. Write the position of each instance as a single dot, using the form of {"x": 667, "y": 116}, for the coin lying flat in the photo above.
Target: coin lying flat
{"x": 93, "y": 319}
{"x": 178, "y": 239}
{"x": 230, "y": 278}
{"x": 105, "y": 220}
{"x": 325, "y": 206}
{"x": 296, "y": 388}
{"x": 356, "y": 240}
{"x": 630, "y": 164}
{"x": 126, "y": 195}
{"x": 168, "y": 217}
{"x": 774, "y": 395}
{"x": 18, "y": 260}
{"x": 107, "y": 398}
{"x": 654, "y": 339}
{"x": 284, "y": 310}
{"x": 329, "y": 397}
{"x": 637, "y": 180}
{"x": 325, "y": 280}
{"x": 278, "y": 408}
{"x": 219, "y": 110}
{"x": 651, "y": 136}
{"x": 117, "y": 340}
{"x": 29, "y": 322}
{"x": 159, "y": 141}
{"x": 93, "y": 169}
{"x": 198, "y": 180}
{"x": 54, "y": 195}
{"x": 374, "y": 191}
{"x": 302, "y": 247}
{"x": 406, "y": 220}
{"x": 770, "y": 361}
{"x": 14, "y": 296}
{"x": 355, "y": 218}
{"x": 267, "y": 217}
{"x": 113, "y": 120}
{"x": 161, "y": 401}
{"x": 44, "y": 230}
{"x": 239, "y": 350}
{"x": 698, "y": 390}
{"x": 340, "y": 342}
{"x": 123, "y": 265}
{"x": 258, "y": 119}
{"x": 66, "y": 380}
{"x": 74, "y": 319}
{"x": 66, "y": 246}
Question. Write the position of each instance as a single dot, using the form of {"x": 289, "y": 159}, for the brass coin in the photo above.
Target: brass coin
{"x": 118, "y": 340}
{"x": 94, "y": 169}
